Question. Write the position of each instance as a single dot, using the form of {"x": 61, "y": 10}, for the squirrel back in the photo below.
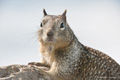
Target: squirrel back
{"x": 67, "y": 57}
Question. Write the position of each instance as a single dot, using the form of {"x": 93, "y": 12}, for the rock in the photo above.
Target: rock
{"x": 21, "y": 72}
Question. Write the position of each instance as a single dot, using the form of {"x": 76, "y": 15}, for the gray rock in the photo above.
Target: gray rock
{"x": 20, "y": 72}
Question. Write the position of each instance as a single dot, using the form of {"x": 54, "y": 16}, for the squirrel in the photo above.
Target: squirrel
{"x": 67, "y": 58}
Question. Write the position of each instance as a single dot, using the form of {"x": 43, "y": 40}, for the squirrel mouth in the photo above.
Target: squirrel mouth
{"x": 50, "y": 40}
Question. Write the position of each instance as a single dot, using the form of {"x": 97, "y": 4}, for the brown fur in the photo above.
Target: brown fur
{"x": 67, "y": 58}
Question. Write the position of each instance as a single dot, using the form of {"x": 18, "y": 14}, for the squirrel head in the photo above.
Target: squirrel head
{"x": 54, "y": 30}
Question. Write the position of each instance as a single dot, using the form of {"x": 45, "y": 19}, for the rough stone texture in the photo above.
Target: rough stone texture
{"x": 20, "y": 72}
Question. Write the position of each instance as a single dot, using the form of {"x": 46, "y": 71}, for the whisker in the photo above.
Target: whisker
{"x": 29, "y": 37}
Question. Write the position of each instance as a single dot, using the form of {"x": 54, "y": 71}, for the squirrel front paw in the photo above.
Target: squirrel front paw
{"x": 38, "y": 64}
{"x": 32, "y": 63}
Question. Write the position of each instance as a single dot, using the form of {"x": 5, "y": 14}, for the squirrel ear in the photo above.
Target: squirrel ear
{"x": 44, "y": 12}
{"x": 64, "y": 13}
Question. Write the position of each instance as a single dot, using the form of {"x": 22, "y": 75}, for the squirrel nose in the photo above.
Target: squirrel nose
{"x": 49, "y": 34}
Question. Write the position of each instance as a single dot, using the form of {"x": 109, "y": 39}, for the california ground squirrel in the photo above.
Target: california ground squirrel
{"x": 67, "y": 58}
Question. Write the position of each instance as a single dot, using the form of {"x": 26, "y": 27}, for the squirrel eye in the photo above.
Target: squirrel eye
{"x": 41, "y": 25}
{"x": 61, "y": 25}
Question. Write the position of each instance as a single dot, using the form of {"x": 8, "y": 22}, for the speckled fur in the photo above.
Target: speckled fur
{"x": 69, "y": 59}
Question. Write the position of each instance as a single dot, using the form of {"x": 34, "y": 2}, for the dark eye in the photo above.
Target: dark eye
{"x": 41, "y": 25}
{"x": 62, "y": 25}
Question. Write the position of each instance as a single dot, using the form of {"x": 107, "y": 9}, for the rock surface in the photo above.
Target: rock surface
{"x": 20, "y": 72}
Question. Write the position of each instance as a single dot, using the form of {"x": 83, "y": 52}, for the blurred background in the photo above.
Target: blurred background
{"x": 96, "y": 23}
